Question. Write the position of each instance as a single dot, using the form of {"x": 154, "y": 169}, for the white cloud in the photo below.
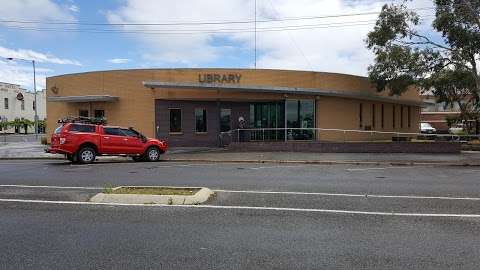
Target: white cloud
{"x": 74, "y": 8}
{"x": 118, "y": 60}
{"x": 331, "y": 49}
{"x": 34, "y": 10}
{"x": 37, "y": 56}
{"x": 22, "y": 74}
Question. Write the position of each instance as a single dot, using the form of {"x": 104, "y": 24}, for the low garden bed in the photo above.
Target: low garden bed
{"x": 153, "y": 195}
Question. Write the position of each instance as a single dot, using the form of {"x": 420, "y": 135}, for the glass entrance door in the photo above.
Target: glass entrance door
{"x": 267, "y": 115}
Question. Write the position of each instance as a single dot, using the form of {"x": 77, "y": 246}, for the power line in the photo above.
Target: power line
{"x": 198, "y": 31}
{"x": 195, "y": 22}
{"x": 292, "y": 39}
{"x": 167, "y": 32}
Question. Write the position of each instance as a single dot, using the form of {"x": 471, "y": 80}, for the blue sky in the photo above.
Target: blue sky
{"x": 60, "y": 51}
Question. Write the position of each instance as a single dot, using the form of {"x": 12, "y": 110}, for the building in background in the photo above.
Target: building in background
{"x": 438, "y": 115}
{"x": 18, "y": 103}
{"x": 192, "y": 107}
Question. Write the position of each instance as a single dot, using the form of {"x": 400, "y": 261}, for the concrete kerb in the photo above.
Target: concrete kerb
{"x": 201, "y": 196}
{"x": 332, "y": 162}
{"x": 313, "y": 162}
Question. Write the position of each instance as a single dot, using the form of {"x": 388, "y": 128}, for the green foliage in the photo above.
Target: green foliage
{"x": 108, "y": 188}
{"x": 5, "y": 125}
{"x": 444, "y": 65}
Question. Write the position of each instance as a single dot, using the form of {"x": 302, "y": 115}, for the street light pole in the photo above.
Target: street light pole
{"x": 34, "y": 91}
{"x": 35, "y": 100}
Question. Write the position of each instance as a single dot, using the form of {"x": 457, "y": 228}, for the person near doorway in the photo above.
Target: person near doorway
{"x": 241, "y": 127}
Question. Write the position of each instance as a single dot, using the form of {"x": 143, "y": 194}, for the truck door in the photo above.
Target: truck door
{"x": 113, "y": 141}
{"x": 133, "y": 144}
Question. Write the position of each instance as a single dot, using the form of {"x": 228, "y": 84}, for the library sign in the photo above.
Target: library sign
{"x": 219, "y": 78}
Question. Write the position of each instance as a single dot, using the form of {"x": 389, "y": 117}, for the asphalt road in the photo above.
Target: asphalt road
{"x": 264, "y": 216}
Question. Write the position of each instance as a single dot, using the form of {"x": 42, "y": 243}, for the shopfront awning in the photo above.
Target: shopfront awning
{"x": 82, "y": 99}
{"x": 280, "y": 90}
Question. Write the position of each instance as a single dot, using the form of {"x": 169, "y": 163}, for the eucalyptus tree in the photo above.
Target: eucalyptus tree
{"x": 442, "y": 60}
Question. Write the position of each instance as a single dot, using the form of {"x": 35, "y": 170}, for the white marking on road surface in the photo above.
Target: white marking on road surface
{"x": 281, "y": 192}
{"x": 194, "y": 165}
{"x": 51, "y": 187}
{"x": 349, "y": 195}
{"x": 270, "y": 167}
{"x": 332, "y": 211}
{"x": 376, "y": 168}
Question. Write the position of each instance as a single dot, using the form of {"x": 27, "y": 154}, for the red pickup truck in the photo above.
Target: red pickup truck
{"x": 81, "y": 143}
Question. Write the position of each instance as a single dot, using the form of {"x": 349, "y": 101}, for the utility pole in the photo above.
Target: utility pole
{"x": 35, "y": 100}
{"x": 255, "y": 65}
{"x": 34, "y": 90}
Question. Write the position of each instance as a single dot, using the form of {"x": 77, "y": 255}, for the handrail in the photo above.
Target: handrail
{"x": 345, "y": 134}
{"x": 349, "y": 130}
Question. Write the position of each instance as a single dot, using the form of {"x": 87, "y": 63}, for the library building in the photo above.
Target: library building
{"x": 203, "y": 107}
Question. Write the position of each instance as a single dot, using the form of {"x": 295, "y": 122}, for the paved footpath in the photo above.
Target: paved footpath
{"x": 34, "y": 150}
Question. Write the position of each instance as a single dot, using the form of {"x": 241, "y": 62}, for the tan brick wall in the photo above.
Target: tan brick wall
{"x": 136, "y": 103}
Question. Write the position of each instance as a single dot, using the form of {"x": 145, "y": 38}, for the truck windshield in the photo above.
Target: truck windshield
{"x": 59, "y": 129}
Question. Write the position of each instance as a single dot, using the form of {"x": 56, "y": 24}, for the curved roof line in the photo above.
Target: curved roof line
{"x": 209, "y": 68}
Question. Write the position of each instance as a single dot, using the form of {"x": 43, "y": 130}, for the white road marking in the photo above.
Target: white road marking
{"x": 332, "y": 211}
{"x": 281, "y": 192}
{"x": 270, "y": 167}
{"x": 194, "y": 165}
{"x": 51, "y": 187}
{"x": 349, "y": 195}
{"x": 377, "y": 168}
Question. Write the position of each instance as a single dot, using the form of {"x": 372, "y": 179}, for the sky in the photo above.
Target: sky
{"x": 73, "y": 36}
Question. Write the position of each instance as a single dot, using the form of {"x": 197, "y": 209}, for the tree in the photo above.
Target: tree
{"x": 445, "y": 65}
{"x": 25, "y": 123}
{"x": 4, "y": 125}
{"x": 42, "y": 125}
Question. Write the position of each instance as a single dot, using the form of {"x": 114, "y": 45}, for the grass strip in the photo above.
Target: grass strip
{"x": 153, "y": 191}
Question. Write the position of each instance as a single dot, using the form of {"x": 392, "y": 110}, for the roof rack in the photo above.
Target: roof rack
{"x": 83, "y": 120}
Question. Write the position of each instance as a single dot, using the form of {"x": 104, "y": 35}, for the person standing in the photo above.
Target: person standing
{"x": 241, "y": 127}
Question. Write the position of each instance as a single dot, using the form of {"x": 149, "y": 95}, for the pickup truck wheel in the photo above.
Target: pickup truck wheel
{"x": 152, "y": 154}
{"x": 86, "y": 155}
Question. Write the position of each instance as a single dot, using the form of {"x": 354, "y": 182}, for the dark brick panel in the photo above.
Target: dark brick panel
{"x": 189, "y": 137}
{"x": 367, "y": 147}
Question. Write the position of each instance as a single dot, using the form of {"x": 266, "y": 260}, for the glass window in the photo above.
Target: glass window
{"x": 113, "y": 131}
{"x": 373, "y": 116}
{"x": 268, "y": 116}
{"x": 200, "y": 120}
{"x": 383, "y": 116}
{"x": 409, "y": 117}
{"x": 300, "y": 115}
{"x": 360, "y": 115}
{"x": 58, "y": 129}
{"x": 225, "y": 120}
{"x": 22, "y": 105}
{"x": 83, "y": 113}
{"x": 393, "y": 116}
{"x": 6, "y": 103}
{"x": 175, "y": 120}
{"x": 401, "y": 116}
{"x": 99, "y": 114}
{"x": 130, "y": 132}
{"x": 81, "y": 128}
{"x": 292, "y": 114}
